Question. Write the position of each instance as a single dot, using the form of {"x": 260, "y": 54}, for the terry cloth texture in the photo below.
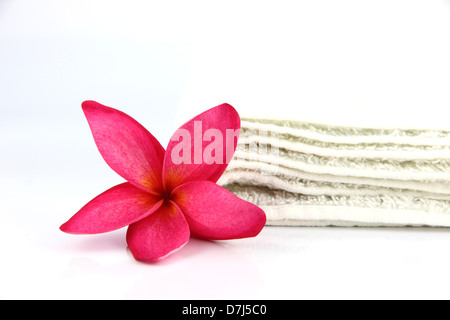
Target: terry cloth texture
{"x": 316, "y": 175}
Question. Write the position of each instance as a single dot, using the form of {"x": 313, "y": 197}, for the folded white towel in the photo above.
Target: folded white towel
{"x": 344, "y": 110}
{"x": 306, "y": 174}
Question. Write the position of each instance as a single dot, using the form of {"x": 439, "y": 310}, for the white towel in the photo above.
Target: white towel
{"x": 344, "y": 108}
{"x": 305, "y": 174}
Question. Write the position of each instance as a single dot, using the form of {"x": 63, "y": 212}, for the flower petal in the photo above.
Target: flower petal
{"x": 127, "y": 147}
{"x": 116, "y": 208}
{"x": 214, "y": 213}
{"x": 159, "y": 235}
{"x": 202, "y": 148}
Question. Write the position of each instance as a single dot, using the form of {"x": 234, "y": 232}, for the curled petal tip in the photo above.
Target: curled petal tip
{"x": 63, "y": 227}
{"x": 91, "y": 104}
{"x": 68, "y": 228}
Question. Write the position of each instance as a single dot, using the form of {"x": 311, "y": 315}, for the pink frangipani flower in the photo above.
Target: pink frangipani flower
{"x": 170, "y": 194}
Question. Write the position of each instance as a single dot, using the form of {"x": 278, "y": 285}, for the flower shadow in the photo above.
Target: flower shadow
{"x": 112, "y": 241}
{"x": 194, "y": 247}
{"x": 203, "y": 269}
{"x": 200, "y": 270}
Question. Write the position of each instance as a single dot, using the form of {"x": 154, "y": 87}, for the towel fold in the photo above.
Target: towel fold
{"x": 310, "y": 174}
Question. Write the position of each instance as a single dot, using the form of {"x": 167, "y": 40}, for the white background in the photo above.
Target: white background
{"x": 136, "y": 56}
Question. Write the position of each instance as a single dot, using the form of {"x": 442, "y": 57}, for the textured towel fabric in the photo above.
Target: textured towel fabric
{"x": 344, "y": 106}
{"x": 307, "y": 174}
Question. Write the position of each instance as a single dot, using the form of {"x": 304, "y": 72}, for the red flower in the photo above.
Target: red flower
{"x": 166, "y": 200}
